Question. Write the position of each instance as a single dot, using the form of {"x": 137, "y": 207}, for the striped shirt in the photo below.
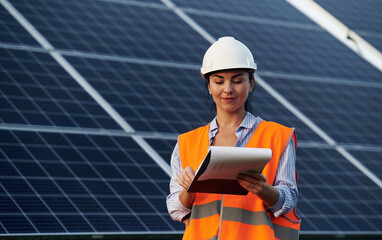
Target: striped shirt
{"x": 285, "y": 181}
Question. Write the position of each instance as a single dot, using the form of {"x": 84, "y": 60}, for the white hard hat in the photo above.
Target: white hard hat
{"x": 227, "y": 53}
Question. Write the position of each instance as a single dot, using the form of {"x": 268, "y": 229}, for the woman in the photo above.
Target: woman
{"x": 268, "y": 210}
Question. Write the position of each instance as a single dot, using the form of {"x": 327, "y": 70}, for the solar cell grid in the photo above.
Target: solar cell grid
{"x": 371, "y": 159}
{"x": 263, "y": 9}
{"x": 269, "y": 109}
{"x": 334, "y": 195}
{"x": 12, "y": 32}
{"x": 349, "y": 114}
{"x": 154, "y": 99}
{"x": 114, "y": 28}
{"x": 163, "y": 147}
{"x": 363, "y": 17}
{"x": 357, "y": 15}
{"x": 292, "y": 50}
{"x": 37, "y": 91}
{"x": 169, "y": 100}
{"x": 52, "y": 194}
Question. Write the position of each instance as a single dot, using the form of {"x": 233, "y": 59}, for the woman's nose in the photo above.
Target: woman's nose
{"x": 228, "y": 88}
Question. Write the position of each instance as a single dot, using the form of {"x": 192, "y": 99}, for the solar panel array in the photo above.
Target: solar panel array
{"x": 75, "y": 159}
{"x": 362, "y": 17}
{"x": 59, "y": 182}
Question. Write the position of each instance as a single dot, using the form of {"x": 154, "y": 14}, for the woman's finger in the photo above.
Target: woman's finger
{"x": 256, "y": 175}
{"x": 189, "y": 174}
{"x": 185, "y": 177}
{"x": 245, "y": 177}
{"x": 250, "y": 183}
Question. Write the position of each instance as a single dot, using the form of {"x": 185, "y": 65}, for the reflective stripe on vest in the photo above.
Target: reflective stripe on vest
{"x": 242, "y": 216}
{"x": 205, "y": 210}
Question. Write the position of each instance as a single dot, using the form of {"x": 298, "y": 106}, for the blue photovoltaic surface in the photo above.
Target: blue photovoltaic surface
{"x": 363, "y": 17}
{"x": 150, "y": 98}
{"x": 13, "y": 32}
{"x": 55, "y": 182}
{"x": 170, "y": 100}
{"x": 163, "y": 147}
{"x": 260, "y": 10}
{"x": 292, "y": 50}
{"x": 332, "y": 187}
{"x": 37, "y": 91}
{"x": 269, "y": 109}
{"x": 349, "y": 113}
{"x": 144, "y": 61}
{"x": 115, "y": 28}
{"x": 371, "y": 159}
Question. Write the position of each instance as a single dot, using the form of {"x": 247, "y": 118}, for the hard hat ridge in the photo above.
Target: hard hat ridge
{"x": 227, "y": 53}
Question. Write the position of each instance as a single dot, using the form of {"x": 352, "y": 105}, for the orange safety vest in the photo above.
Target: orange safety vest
{"x": 236, "y": 216}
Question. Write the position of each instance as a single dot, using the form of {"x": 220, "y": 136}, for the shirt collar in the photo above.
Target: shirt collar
{"x": 246, "y": 123}
{"x": 213, "y": 125}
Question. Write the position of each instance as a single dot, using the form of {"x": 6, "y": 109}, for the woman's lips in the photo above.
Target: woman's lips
{"x": 228, "y": 100}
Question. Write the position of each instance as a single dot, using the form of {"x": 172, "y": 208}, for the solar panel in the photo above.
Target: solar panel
{"x": 164, "y": 147}
{"x": 363, "y": 17}
{"x": 106, "y": 27}
{"x": 371, "y": 158}
{"x": 334, "y": 195}
{"x": 269, "y": 109}
{"x": 37, "y": 91}
{"x": 349, "y": 113}
{"x": 150, "y": 98}
{"x": 292, "y": 50}
{"x": 67, "y": 167}
{"x": 153, "y": 99}
{"x": 13, "y": 32}
{"x": 259, "y": 10}
{"x": 57, "y": 182}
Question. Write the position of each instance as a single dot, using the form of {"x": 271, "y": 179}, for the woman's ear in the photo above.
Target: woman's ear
{"x": 252, "y": 84}
{"x": 206, "y": 78}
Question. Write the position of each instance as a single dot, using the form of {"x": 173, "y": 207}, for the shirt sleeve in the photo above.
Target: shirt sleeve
{"x": 175, "y": 208}
{"x": 285, "y": 182}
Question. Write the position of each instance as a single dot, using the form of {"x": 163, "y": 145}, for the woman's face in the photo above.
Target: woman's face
{"x": 230, "y": 89}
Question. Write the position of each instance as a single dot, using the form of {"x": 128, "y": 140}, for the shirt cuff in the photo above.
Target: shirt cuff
{"x": 275, "y": 209}
{"x": 184, "y": 212}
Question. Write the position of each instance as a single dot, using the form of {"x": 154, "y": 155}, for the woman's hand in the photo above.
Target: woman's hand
{"x": 252, "y": 181}
{"x": 185, "y": 177}
{"x": 256, "y": 183}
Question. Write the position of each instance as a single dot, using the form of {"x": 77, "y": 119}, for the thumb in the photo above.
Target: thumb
{"x": 190, "y": 172}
